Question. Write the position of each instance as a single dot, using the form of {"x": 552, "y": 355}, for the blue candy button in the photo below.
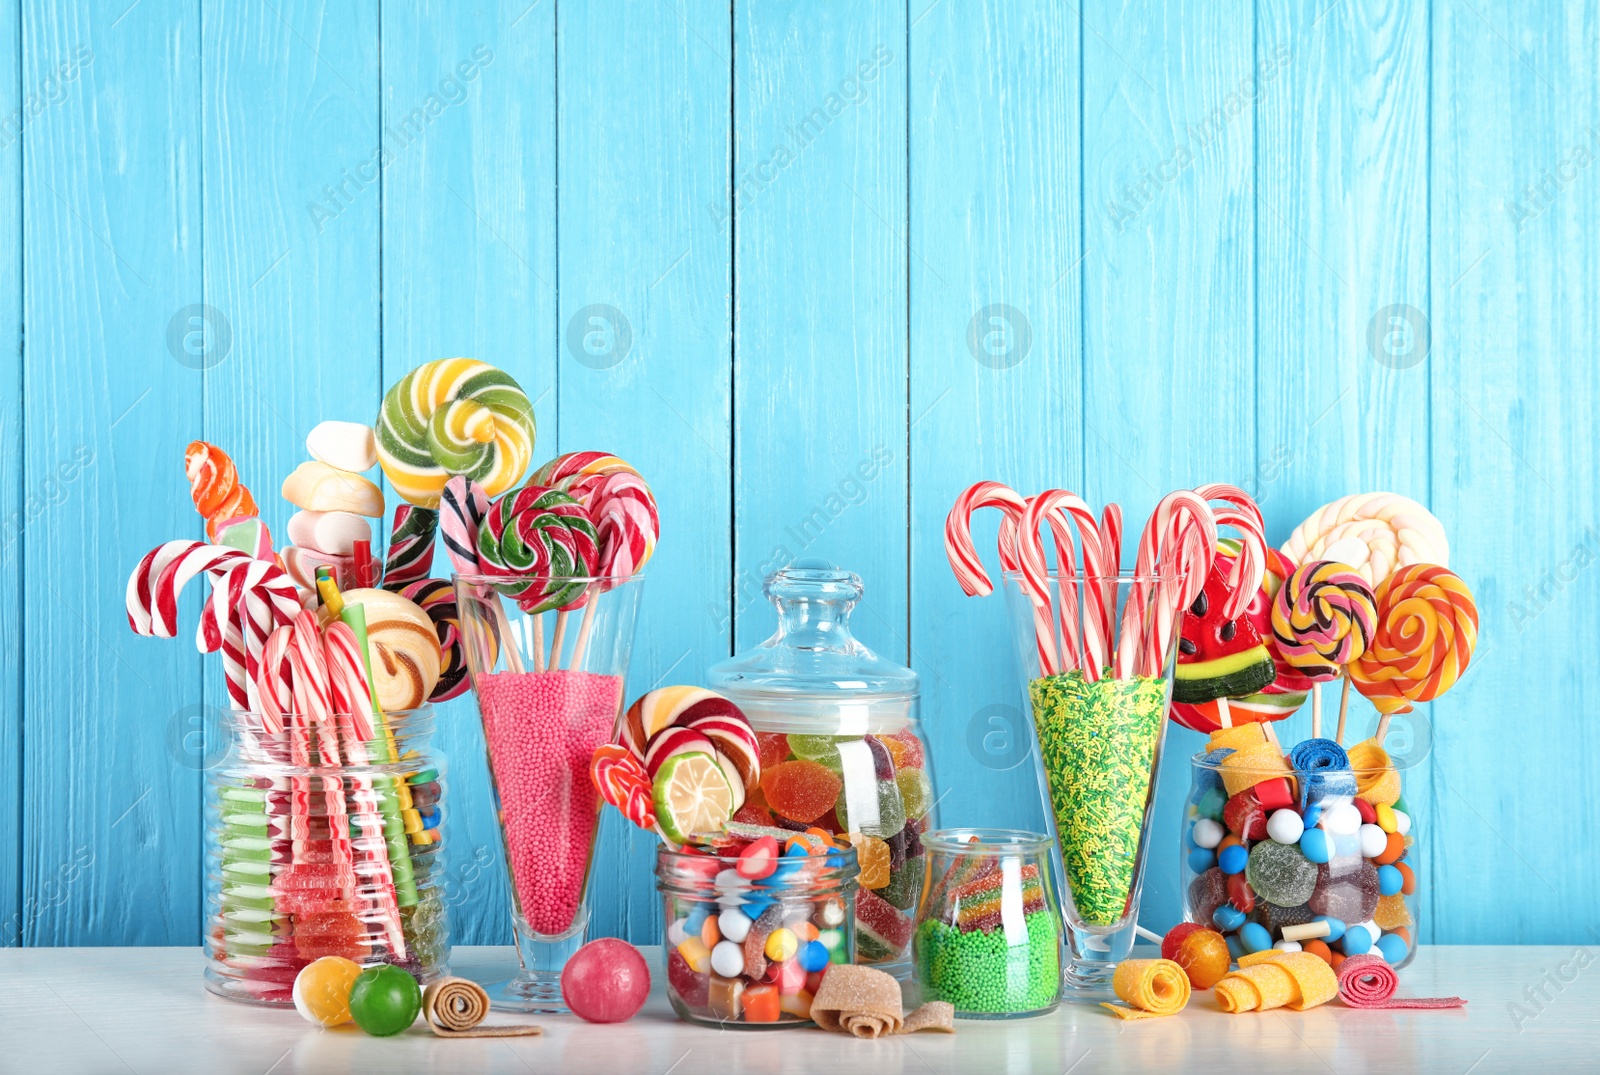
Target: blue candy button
{"x": 1227, "y": 917}
{"x": 1335, "y": 927}
{"x": 1392, "y": 947}
{"x": 1232, "y": 858}
{"x": 1201, "y": 860}
{"x": 1357, "y": 941}
{"x": 1254, "y": 937}
{"x": 1314, "y": 845}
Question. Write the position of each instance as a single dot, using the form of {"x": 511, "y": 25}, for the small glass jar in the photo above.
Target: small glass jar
{"x": 988, "y": 934}
{"x": 1318, "y": 849}
{"x": 831, "y": 714}
{"x": 751, "y": 953}
{"x": 320, "y": 844}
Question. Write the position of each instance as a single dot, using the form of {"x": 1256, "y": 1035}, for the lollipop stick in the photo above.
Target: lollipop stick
{"x": 1224, "y": 714}
{"x": 1383, "y": 728}
{"x": 538, "y": 641}
{"x": 584, "y": 628}
{"x": 556, "y": 638}
{"x": 1316, "y": 711}
{"x": 1344, "y": 710}
{"x": 1272, "y": 736}
{"x": 513, "y": 658}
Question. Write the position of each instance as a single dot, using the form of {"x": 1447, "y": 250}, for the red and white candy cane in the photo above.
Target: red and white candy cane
{"x": 1111, "y": 545}
{"x": 1083, "y": 647}
{"x": 1250, "y": 566}
{"x": 1177, "y": 544}
{"x": 968, "y": 565}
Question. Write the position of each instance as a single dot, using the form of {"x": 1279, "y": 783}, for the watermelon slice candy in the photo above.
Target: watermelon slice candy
{"x": 1219, "y": 657}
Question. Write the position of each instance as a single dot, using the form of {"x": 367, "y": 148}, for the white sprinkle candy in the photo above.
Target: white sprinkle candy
{"x": 1207, "y": 833}
{"x": 1285, "y": 826}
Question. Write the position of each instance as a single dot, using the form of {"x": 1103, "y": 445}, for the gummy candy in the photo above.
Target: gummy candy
{"x": 905, "y": 884}
{"x": 1281, "y": 874}
{"x": 1245, "y": 817}
{"x": 725, "y": 997}
{"x": 821, "y": 748}
{"x": 1391, "y": 912}
{"x": 1207, "y": 892}
{"x": 891, "y": 811}
{"x": 873, "y": 855}
{"x": 882, "y": 763}
{"x": 978, "y": 901}
{"x": 1275, "y": 916}
{"x": 755, "y": 942}
{"x": 774, "y": 749}
{"x": 1346, "y": 889}
{"x": 897, "y": 851}
{"x": 800, "y": 790}
{"x": 335, "y": 934}
{"x": 882, "y": 932}
{"x": 916, "y": 791}
{"x": 905, "y": 748}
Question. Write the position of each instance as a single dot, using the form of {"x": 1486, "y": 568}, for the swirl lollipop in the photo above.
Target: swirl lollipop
{"x": 1373, "y": 532}
{"x": 454, "y": 416}
{"x": 619, "y": 500}
{"x": 1427, "y": 628}
{"x": 437, "y": 598}
{"x": 1323, "y": 618}
{"x": 542, "y": 534}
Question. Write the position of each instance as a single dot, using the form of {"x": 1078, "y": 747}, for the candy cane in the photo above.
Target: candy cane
{"x": 1083, "y": 648}
{"x": 1111, "y": 545}
{"x": 1250, "y": 566}
{"x": 1174, "y": 558}
{"x": 968, "y": 566}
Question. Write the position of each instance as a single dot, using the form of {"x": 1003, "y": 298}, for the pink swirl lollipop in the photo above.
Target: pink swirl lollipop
{"x": 618, "y": 499}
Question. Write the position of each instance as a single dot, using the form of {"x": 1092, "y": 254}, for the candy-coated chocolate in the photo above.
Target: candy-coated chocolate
{"x": 1254, "y": 937}
{"x": 1385, "y": 818}
{"x": 1314, "y": 845}
{"x": 734, "y": 924}
{"x": 710, "y": 933}
{"x": 1232, "y": 859}
{"x": 1200, "y": 860}
{"x": 1392, "y": 948}
{"x": 1318, "y": 949}
{"x": 1369, "y": 814}
{"x": 1390, "y": 882}
{"x": 813, "y": 956}
{"x": 1335, "y": 926}
{"x": 781, "y": 945}
{"x": 1285, "y": 826}
{"x": 1341, "y": 818}
{"x": 1228, "y": 917}
{"x": 1402, "y": 822}
{"x": 385, "y": 1000}
{"x": 1408, "y": 885}
{"x": 1287, "y": 946}
{"x": 1357, "y": 941}
{"x": 1394, "y": 847}
{"x": 727, "y": 959}
{"x": 1207, "y": 833}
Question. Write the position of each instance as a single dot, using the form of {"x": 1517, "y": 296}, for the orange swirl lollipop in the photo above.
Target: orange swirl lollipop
{"x": 1427, "y": 628}
{"x": 214, "y": 483}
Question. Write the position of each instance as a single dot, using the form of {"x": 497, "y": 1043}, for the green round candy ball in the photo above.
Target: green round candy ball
{"x": 385, "y": 1000}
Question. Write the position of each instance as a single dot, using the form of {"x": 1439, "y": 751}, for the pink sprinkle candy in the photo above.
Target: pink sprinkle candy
{"x": 542, "y": 728}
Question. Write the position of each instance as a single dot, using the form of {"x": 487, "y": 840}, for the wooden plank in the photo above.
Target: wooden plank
{"x": 644, "y": 336}
{"x": 469, "y": 268}
{"x": 291, "y": 234}
{"x": 1342, "y": 246}
{"x": 110, "y": 816}
{"x": 820, "y": 383}
{"x": 13, "y": 507}
{"x": 994, "y": 233}
{"x": 1168, "y": 288}
{"x": 1514, "y": 435}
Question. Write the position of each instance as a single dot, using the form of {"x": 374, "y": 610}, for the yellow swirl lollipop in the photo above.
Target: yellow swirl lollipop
{"x": 1427, "y": 628}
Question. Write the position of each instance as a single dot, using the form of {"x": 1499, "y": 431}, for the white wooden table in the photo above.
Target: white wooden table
{"x": 144, "y": 1010}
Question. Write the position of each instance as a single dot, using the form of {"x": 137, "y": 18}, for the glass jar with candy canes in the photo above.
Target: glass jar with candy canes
{"x": 841, "y": 747}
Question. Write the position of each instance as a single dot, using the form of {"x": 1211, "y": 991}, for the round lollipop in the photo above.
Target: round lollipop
{"x": 1427, "y": 628}
{"x": 618, "y": 499}
{"x": 1372, "y": 532}
{"x": 1323, "y": 618}
{"x": 543, "y": 534}
{"x": 437, "y": 598}
{"x": 454, "y": 416}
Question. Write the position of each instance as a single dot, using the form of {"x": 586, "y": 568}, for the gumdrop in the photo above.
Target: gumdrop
{"x": 873, "y": 855}
{"x": 1244, "y": 816}
{"x": 774, "y": 749}
{"x": 891, "y": 812}
{"x": 1391, "y": 912}
{"x": 821, "y": 748}
{"x": 754, "y": 811}
{"x": 800, "y": 790}
{"x": 1346, "y": 889}
{"x": 1206, "y": 893}
{"x": 1281, "y": 874}
{"x": 906, "y": 749}
{"x": 1275, "y": 916}
{"x": 916, "y": 791}
{"x": 882, "y": 762}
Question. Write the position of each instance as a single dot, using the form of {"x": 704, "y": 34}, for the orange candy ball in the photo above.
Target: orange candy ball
{"x": 1204, "y": 957}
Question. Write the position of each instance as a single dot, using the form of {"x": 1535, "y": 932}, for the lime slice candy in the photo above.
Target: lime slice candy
{"x": 692, "y": 795}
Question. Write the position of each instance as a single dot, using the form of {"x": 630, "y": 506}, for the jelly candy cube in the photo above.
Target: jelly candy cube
{"x": 873, "y": 855}
{"x": 897, "y": 850}
{"x": 800, "y": 790}
{"x": 725, "y": 997}
{"x": 762, "y": 1004}
{"x": 774, "y": 748}
{"x": 916, "y": 791}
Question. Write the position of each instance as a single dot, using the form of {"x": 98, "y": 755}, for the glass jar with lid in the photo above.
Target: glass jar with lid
{"x": 841, "y": 748}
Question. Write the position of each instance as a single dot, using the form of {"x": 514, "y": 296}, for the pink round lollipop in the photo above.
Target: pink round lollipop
{"x": 618, "y": 499}
{"x": 605, "y": 981}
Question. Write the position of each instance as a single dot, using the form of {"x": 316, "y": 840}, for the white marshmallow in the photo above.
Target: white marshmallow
{"x": 331, "y": 532}
{"x": 343, "y": 445}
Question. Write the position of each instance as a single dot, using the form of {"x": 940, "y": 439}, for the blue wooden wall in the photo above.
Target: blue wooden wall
{"x": 1310, "y": 248}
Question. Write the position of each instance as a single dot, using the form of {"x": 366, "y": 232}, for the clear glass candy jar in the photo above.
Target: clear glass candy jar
{"x": 840, "y": 747}
{"x": 321, "y": 844}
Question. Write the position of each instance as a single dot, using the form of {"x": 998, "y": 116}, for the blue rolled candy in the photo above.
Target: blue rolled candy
{"x": 1325, "y": 770}
{"x": 1233, "y": 858}
{"x": 1201, "y": 859}
{"x": 1207, "y": 777}
{"x": 1227, "y": 917}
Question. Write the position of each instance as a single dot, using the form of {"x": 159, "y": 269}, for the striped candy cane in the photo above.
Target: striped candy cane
{"x": 1177, "y": 544}
{"x": 1250, "y": 566}
{"x": 1082, "y": 648}
{"x": 968, "y": 566}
